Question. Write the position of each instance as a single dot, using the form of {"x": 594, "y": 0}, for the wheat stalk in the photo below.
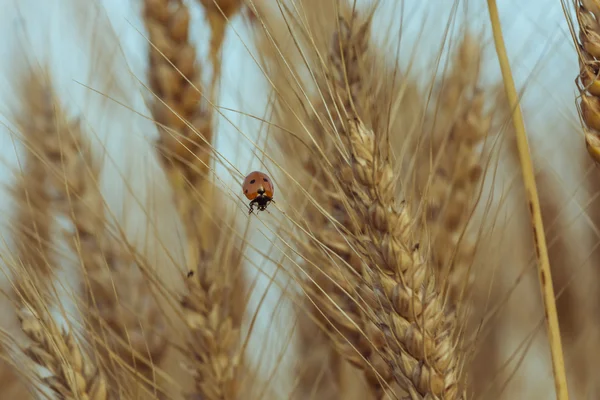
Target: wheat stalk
{"x": 541, "y": 251}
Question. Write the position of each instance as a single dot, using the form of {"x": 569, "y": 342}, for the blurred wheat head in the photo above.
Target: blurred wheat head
{"x": 397, "y": 261}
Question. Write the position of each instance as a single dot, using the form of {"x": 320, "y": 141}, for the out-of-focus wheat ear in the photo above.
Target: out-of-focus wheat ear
{"x": 404, "y": 316}
{"x": 183, "y": 119}
{"x": 121, "y": 307}
{"x": 186, "y": 162}
{"x": 577, "y": 278}
{"x": 588, "y": 14}
{"x": 36, "y": 120}
{"x": 218, "y": 13}
{"x": 451, "y": 187}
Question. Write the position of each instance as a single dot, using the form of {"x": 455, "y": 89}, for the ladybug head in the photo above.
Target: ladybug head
{"x": 260, "y": 191}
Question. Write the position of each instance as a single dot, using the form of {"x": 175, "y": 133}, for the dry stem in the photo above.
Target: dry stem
{"x": 541, "y": 250}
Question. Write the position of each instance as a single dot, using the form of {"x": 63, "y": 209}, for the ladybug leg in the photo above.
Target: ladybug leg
{"x": 252, "y": 204}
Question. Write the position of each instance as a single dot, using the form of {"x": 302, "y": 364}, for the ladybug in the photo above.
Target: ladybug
{"x": 259, "y": 189}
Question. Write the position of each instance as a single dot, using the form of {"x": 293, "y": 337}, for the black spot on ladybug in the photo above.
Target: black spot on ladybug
{"x": 265, "y": 179}
{"x": 253, "y": 180}
{"x": 246, "y": 191}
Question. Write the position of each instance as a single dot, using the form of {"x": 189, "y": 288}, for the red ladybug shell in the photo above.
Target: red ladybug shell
{"x": 254, "y": 182}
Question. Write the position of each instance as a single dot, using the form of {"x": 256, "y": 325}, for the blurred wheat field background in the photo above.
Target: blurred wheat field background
{"x": 398, "y": 259}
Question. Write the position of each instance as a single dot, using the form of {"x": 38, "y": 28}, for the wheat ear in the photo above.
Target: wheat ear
{"x": 209, "y": 310}
{"x": 404, "y": 317}
{"x": 37, "y": 121}
{"x": 541, "y": 250}
{"x": 184, "y": 124}
{"x": 213, "y": 307}
{"x": 117, "y": 293}
{"x": 460, "y": 127}
{"x": 333, "y": 264}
